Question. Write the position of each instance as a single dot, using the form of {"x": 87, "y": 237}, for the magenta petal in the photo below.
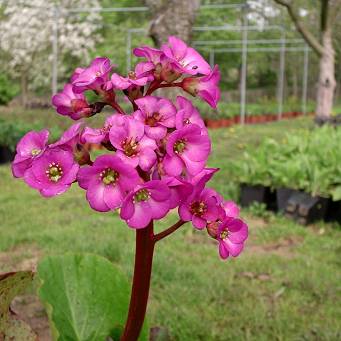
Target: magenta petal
{"x": 31, "y": 180}
{"x": 159, "y": 189}
{"x": 127, "y": 209}
{"x": 86, "y": 175}
{"x": 173, "y": 165}
{"x": 91, "y": 135}
{"x": 193, "y": 167}
{"x": 141, "y": 217}
{"x": 184, "y": 212}
{"x": 71, "y": 175}
{"x": 19, "y": 167}
{"x": 239, "y": 236}
{"x": 158, "y": 209}
{"x": 223, "y": 252}
{"x": 231, "y": 209}
{"x": 156, "y": 133}
{"x": 95, "y": 196}
{"x": 198, "y": 148}
{"x": 54, "y": 190}
{"x": 147, "y": 158}
{"x": 198, "y": 222}
{"x": 113, "y": 196}
{"x": 234, "y": 249}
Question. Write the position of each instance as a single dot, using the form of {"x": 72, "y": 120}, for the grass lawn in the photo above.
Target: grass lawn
{"x": 285, "y": 286}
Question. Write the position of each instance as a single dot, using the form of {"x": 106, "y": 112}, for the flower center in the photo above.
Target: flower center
{"x": 132, "y": 75}
{"x": 179, "y": 146}
{"x": 141, "y": 195}
{"x": 109, "y": 176}
{"x": 152, "y": 120}
{"x": 98, "y": 73}
{"x": 35, "y": 152}
{"x": 105, "y": 129}
{"x": 54, "y": 172}
{"x": 224, "y": 234}
{"x": 198, "y": 208}
{"x": 187, "y": 121}
{"x": 130, "y": 147}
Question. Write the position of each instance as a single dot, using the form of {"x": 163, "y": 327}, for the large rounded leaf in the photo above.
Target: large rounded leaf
{"x": 86, "y": 296}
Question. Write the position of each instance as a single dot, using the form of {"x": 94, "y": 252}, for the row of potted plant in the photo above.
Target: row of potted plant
{"x": 216, "y": 122}
{"x": 308, "y": 161}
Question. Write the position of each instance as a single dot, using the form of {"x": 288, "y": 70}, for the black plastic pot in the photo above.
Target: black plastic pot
{"x": 305, "y": 208}
{"x": 257, "y": 193}
{"x": 333, "y": 211}
{"x": 250, "y": 194}
{"x": 282, "y": 196}
{"x": 6, "y": 155}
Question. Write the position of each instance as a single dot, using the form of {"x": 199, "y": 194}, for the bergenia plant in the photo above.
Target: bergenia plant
{"x": 156, "y": 159}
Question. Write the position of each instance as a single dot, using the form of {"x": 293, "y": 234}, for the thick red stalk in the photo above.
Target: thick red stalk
{"x": 141, "y": 283}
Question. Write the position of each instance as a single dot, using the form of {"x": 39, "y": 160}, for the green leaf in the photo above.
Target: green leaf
{"x": 336, "y": 193}
{"x": 11, "y": 285}
{"x": 87, "y": 297}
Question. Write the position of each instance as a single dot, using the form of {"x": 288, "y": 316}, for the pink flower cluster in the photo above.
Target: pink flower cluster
{"x": 157, "y": 154}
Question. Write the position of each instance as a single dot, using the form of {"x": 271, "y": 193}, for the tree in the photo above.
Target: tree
{"x": 323, "y": 47}
{"x": 175, "y": 17}
{"x": 26, "y": 30}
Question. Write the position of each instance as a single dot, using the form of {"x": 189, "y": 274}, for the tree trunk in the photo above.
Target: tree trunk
{"x": 24, "y": 88}
{"x": 326, "y": 84}
{"x": 172, "y": 17}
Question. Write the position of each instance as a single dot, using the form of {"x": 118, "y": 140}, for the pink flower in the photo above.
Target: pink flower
{"x": 185, "y": 59}
{"x": 68, "y": 103}
{"x": 69, "y": 138}
{"x": 100, "y": 135}
{"x": 187, "y": 150}
{"x": 94, "y": 76}
{"x": 201, "y": 207}
{"x": 188, "y": 114}
{"x": 157, "y": 114}
{"x": 179, "y": 190}
{"x": 133, "y": 147}
{"x": 232, "y": 233}
{"x": 52, "y": 173}
{"x": 30, "y": 147}
{"x": 147, "y": 202}
{"x": 76, "y": 73}
{"x": 231, "y": 209}
{"x": 151, "y": 54}
{"x": 107, "y": 182}
{"x": 205, "y": 87}
{"x": 141, "y": 76}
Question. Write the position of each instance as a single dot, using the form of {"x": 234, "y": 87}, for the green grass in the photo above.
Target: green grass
{"x": 285, "y": 286}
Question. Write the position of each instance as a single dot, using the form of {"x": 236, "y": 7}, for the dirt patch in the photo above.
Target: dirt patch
{"x": 284, "y": 248}
{"x": 22, "y": 257}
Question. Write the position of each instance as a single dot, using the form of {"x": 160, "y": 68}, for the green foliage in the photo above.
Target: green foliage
{"x": 309, "y": 160}
{"x": 8, "y": 89}
{"x": 87, "y": 296}
{"x": 12, "y": 131}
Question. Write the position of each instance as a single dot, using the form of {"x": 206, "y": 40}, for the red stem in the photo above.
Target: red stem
{"x": 168, "y": 231}
{"x": 141, "y": 282}
{"x": 116, "y": 106}
{"x": 158, "y": 86}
